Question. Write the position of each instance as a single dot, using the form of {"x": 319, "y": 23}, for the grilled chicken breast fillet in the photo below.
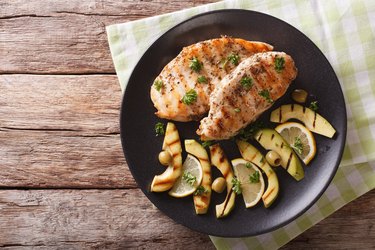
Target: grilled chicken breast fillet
{"x": 246, "y": 93}
{"x": 216, "y": 57}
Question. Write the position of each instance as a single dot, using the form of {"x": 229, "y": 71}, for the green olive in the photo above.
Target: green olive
{"x": 165, "y": 158}
{"x": 219, "y": 185}
{"x": 299, "y": 95}
{"x": 273, "y": 158}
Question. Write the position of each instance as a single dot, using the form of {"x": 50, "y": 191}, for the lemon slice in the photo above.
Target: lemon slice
{"x": 299, "y": 138}
{"x": 190, "y": 178}
{"x": 252, "y": 183}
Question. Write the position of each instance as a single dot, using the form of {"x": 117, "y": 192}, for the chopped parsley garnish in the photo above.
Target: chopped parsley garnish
{"x": 266, "y": 95}
{"x": 314, "y": 106}
{"x": 246, "y": 82}
{"x": 236, "y": 186}
{"x": 202, "y": 79}
{"x": 237, "y": 110}
{"x": 200, "y": 190}
{"x": 189, "y": 178}
{"x": 249, "y": 131}
{"x": 158, "y": 84}
{"x": 234, "y": 58}
{"x": 159, "y": 129}
{"x": 254, "y": 178}
{"x": 195, "y": 64}
{"x": 206, "y": 144}
{"x": 190, "y": 97}
{"x": 297, "y": 145}
{"x": 248, "y": 165}
{"x": 279, "y": 64}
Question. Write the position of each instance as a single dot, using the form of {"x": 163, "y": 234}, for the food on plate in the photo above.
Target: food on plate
{"x": 181, "y": 91}
{"x": 299, "y": 138}
{"x": 250, "y": 180}
{"x": 220, "y": 161}
{"x": 271, "y": 140}
{"x": 172, "y": 145}
{"x": 273, "y": 158}
{"x": 165, "y": 158}
{"x": 202, "y": 195}
{"x": 245, "y": 93}
{"x": 190, "y": 179}
{"x": 219, "y": 184}
{"x": 253, "y": 155}
{"x": 299, "y": 95}
{"x": 312, "y": 120}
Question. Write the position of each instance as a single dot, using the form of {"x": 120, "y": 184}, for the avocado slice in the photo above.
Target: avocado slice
{"x": 251, "y": 154}
{"x": 202, "y": 200}
{"x": 271, "y": 140}
{"x": 220, "y": 161}
{"x": 312, "y": 120}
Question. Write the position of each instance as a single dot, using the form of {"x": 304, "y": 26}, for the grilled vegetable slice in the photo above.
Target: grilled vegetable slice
{"x": 220, "y": 161}
{"x": 203, "y": 197}
{"x": 312, "y": 120}
{"x": 250, "y": 153}
{"x": 172, "y": 145}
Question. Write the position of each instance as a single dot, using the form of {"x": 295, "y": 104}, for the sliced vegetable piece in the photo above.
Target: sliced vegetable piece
{"x": 201, "y": 199}
{"x": 312, "y": 120}
{"x": 220, "y": 161}
{"x": 172, "y": 145}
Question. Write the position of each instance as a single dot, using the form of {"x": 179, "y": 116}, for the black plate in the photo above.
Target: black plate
{"x": 141, "y": 146}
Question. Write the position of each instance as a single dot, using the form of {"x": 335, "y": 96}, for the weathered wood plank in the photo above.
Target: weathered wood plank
{"x": 123, "y": 219}
{"x": 61, "y": 131}
{"x": 89, "y": 104}
{"x": 56, "y": 37}
{"x": 77, "y": 219}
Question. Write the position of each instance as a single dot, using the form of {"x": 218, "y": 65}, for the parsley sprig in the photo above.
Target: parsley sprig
{"x": 236, "y": 186}
{"x": 254, "y": 178}
{"x": 195, "y": 64}
{"x": 200, "y": 190}
{"x": 266, "y": 95}
{"x": 279, "y": 64}
{"x": 249, "y": 131}
{"x": 190, "y": 97}
{"x": 298, "y": 145}
{"x": 314, "y": 106}
{"x": 246, "y": 82}
{"x": 159, "y": 129}
{"x": 158, "y": 85}
{"x": 202, "y": 79}
{"x": 189, "y": 178}
{"x": 234, "y": 58}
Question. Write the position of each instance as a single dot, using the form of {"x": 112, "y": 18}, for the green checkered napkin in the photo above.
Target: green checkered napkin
{"x": 345, "y": 33}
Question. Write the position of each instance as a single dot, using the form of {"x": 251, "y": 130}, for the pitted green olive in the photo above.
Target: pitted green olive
{"x": 165, "y": 158}
{"x": 299, "y": 95}
{"x": 273, "y": 158}
{"x": 219, "y": 184}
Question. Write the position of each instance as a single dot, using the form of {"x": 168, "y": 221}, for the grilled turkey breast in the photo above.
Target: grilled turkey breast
{"x": 198, "y": 69}
{"x": 246, "y": 93}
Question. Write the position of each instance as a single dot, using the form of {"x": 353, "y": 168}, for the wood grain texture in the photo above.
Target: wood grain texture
{"x": 89, "y": 219}
{"x": 53, "y": 37}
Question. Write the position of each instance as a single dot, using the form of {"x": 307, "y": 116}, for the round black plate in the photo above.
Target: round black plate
{"x": 141, "y": 146}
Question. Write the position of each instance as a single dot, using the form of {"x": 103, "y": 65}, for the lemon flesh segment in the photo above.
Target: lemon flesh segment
{"x": 251, "y": 191}
{"x": 292, "y": 130}
{"x": 182, "y": 188}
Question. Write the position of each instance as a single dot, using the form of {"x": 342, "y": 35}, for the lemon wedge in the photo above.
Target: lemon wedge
{"x": 190, "y": 179}
{"x": 299, "y": 138}
{"x": 251, "y": 181}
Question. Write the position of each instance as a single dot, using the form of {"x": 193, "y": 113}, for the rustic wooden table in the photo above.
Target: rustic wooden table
{"x": 64, "y": 181}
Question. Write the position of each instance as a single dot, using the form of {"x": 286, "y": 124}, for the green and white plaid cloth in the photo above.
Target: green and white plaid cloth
{"x": 345, "y": 32}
